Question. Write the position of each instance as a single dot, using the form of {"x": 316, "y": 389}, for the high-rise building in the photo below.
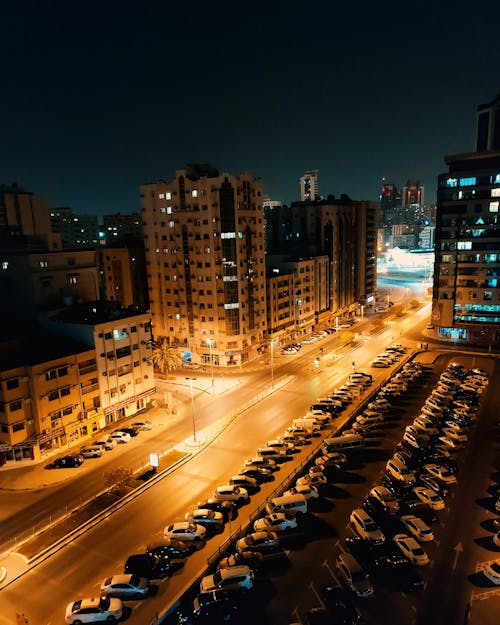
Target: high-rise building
{"x": 75, "y": 230}
{"x": 204, "y": 244}
{"x": 466, "y": 292}
{"x": 309, "y": 186}
{"x": 118, "y": 228}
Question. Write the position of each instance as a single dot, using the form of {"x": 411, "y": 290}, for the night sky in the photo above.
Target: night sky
{"x": 97, "y": 98}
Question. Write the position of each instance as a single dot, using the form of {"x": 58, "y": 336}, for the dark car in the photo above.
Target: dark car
{"x": 131, "y": 431}
{"x": 258, "y": 473}
{"x": 398, "y": 573}
{"x": 149, "y": 566}
{"x": 215, "y": 606}
{"x": 229, "y": 509}
{"x": 340, "y": 605}
{"x": 171, "y": 548}
{"x": 439, "y": 487}
{"x": 66, "y": 462}
{"x": 418, "y": 508}
{"x": 253, "y": 559}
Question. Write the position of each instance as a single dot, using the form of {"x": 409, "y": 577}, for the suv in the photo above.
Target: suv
{"x": 353, "y": 576}
{"x": 400, "y": 471}
{"x": 232, "y": 578}
{"x": 365, "y": 527}
{"x": 386, "y": 499}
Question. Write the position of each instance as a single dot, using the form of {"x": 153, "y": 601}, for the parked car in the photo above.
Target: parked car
{"x": 312, "y": 480}
{"x": 250, "y": 484}
{"x": 258, "y": 541}
{"x": 259, "y": 461}
{"x": 386, "y": 499}
{"x": 142, "y": 425}
{"x": 397, "y": 571}
{"x": 130, "y": 430}
{"x": 94, "y": 609}
{"x": 275, "y": 522}
{"x": 228, "y": 509}
{"x": 353, "y": 576}
{"x": 341, "y": 606}
{"x": 92, "y": 451}
{"x": 260, "y": 474}
{"x": 120, "y": 436}
{"x": 417, "y": 527}
{"x": 440, "y": 472}
{"x": 171, "y": 548}
{"x": 212, "y": 521}
{"x": 185, "y": 531}
{"x": 229, "y": 492}
{"x": 410, "y": 548}
{"x": 429, "y": 497}
{"x": 330, "y": 459}
{"x": 149, "y": 566}
{"x": 71, "y": 461}
{"x": 253, "y": 559}
{"x": 125, "y": 586}
{"x": 234, "y": 578}
{"x": 310, "y": 492}
{"x": 365, "y": 527}
{"x": 106, "y": 443}
{"x": 491, "y": 571}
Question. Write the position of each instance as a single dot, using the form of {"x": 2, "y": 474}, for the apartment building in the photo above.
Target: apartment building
{"x": 204, "y": 245}
{"x": 466, "y": 291}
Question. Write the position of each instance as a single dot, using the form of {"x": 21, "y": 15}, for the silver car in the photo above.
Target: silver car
{"x": 125, "y": 587}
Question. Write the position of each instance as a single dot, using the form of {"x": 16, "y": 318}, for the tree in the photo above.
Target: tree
{"x": 164, "y": 358}
{"x": 118, "y": 480}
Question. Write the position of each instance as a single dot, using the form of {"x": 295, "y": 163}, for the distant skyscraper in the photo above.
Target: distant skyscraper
{"x": 204, "y": 241}
{"x": 466, "y": 293}
{"x": 309, "y": 186}
{"x": 272, "y": 212}
{"x": 75, "y": 230}
{"x": 412, "y": 194}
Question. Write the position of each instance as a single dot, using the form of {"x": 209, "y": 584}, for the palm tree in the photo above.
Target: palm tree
{"x": 164, "y": 358}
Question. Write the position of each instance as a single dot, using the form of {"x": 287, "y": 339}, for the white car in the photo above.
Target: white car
{"x": 417, "y": 528}
{"x": 91, "y": 451}
{"x": 365, "y": 527}
{"x": 399, "y": 471}
{"x": 312, "y": 480}
{"x": 229, "y": 492}
{"x": 231, "y": 578}
{"x": 142, "y": 425}
{"x": 450, "y": 443}
{"x": 94, "y": 609}
{"x": 106, "y": 443}
{"x": 331, "y": 459}
{"x": 125, "y": 586}
{"x": 491, "y": 570}
{"x": 185, "y": 531}
{"x": 120, "y": 437}
{"x": 387, "y": 499}
{"x": 368, "y": 420}
{"x": 429, "y": 497}
{"x": 410, "y": 548}
{"x": 288, "y": 448}
{"x": 309, "y": 492}
{"x": 456, "y": 435}
{"x": 275, "y": 522}
{"x": 444, "y": 474}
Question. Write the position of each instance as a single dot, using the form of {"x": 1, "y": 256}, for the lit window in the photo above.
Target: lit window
{"x": 452, "y": 182}
{"x": 168, "y": 195}
{"x": 169, "y": 210}
{"x": 495, "y": 192}
{"x": 161, "y": 196}
{"x": 496, "y": 179}
{"x": 493, "y": 207}
{"x": 488, "y": 295}
{"x": 171, "y": 223}
{"x": 44, "y": 264}
{"x": 163, "y": 209}
{"x": 464, "y": 245}
{"x": 5, "y": 264}
{"x": 178, "y": 316}
{"x": 231, "y": 306}
{"x": 467, "y": 182}
{"x": 228, "y": 235}
{"x": 194, "y": 193}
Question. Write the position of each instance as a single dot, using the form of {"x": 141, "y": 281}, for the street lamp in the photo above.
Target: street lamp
{"x": 191, "y": 380}
{"x": 272, "y": 363}
{"x": 210, "y": 341}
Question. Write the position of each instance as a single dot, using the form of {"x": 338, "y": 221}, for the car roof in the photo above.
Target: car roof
{"x": 120, "y": 578}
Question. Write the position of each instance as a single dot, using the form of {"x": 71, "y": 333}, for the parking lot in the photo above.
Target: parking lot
{"x": 453, "y": 588}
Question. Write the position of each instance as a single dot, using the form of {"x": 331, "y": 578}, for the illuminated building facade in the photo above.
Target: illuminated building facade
{"x": 466, "y": 293}
{"x": 205, "y": 251}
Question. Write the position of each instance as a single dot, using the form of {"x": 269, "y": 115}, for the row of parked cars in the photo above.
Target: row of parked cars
{"x": 98, "y": 447}
{"x": 395, "y": 518}
{"x": 262, "y": 546}
{"x": 293, "y": 348}
{"x": 389, "y": 357}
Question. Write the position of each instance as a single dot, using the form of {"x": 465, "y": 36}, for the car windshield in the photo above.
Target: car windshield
{"x": 496, "y": 567}
{"x": 217, "y": 577}
{"x": 418, "y": 551}
{"x": 104, "y": 603}
{"x": 358, "y": 576}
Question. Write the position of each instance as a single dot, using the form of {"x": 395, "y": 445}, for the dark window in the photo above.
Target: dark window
{"x": 17, "y": 427}
{"x": 64, "y": 391}
{"x": 50, "y": 375}
{"x": 62, "y": 371}
{"x": 12, "y": 383}
{"x": 15, "y": 405}
{"x": 53, "y": 395}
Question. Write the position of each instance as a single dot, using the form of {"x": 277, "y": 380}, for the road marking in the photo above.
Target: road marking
{"x": 330, "y": 570}
{"x": 313, "y": 588}
{"x": 458, "y": 550}
{"x": 296, "y": 614}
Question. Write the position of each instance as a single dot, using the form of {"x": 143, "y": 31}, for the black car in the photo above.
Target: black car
{"x": 418, "y": 508}
{"x": 229, "y": 509}
{"x": 71, "y": 461}
{"x": 340, "y": 605}
{"x": 258, "y": 473}
{"x": 215, "y": 606}
{"x": 149, "y": 566}
{"x": 171, "y": 548}
{"x": 398, "y": 573}
{"x": 131, "y": 431}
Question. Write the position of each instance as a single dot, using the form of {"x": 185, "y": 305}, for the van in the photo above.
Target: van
{"x": 352, "y": 442}
{"x": 291, "y": 504}
{"x": 309, "y": 424}
{"x": 353, "y": 576}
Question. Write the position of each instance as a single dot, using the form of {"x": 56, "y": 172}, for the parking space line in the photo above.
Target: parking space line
{"x": 312, "y": 587}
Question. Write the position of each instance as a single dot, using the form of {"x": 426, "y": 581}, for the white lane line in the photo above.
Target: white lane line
{"x": 313, "y": 588}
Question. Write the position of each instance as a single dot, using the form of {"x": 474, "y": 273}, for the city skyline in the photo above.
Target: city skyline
{"x": 97, "y": 107}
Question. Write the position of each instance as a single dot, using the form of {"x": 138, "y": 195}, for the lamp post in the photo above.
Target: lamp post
{"x": 210, "y": 341}
{"x": 272, "y": 363}
{"x": 192, "y": 407}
